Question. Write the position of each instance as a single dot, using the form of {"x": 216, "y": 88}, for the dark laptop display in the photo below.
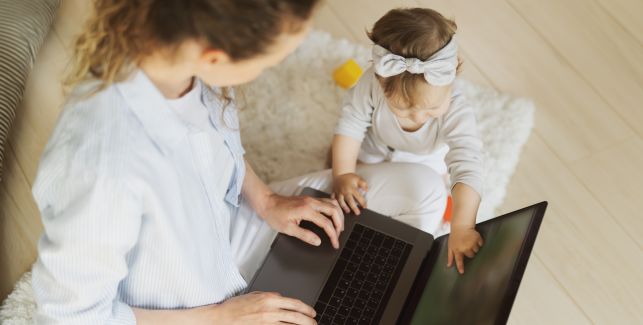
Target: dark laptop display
{"x": 485, "y": 293}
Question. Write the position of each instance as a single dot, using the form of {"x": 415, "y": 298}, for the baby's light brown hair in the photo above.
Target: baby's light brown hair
{"x": 411, "y": 33}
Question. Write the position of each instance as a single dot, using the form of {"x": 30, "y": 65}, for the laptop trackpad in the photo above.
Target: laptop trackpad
{"x": 296, "y": 269}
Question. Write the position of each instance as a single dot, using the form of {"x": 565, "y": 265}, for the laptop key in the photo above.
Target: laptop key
{"x": 344, "y": 310}
{"x": 319, "y": 307}
{"x": 340, "y": 319}
{"x": 335, "y": 302}
{"x": 326, "y": 320}
{"x": 388, "y": 242}
{"x": 360, "y": 303}
{"x": 348, "y": 300}
{"x": 377, "y": 239}
{"x": 365, "y": 320}
{"x": 373, "y": 303}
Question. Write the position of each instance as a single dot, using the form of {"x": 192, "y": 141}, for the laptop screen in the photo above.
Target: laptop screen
{"x": 479, "y": 296}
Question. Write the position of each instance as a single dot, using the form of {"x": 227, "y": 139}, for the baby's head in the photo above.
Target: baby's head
{"x": 415, "y": 60}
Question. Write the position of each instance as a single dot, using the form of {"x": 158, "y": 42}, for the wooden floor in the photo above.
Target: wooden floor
{"x": 582, "y": 63}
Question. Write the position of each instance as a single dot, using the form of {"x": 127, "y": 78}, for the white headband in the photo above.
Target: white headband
{"x": 438, "y": 70}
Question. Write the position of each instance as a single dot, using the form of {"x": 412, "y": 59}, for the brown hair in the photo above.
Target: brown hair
{"x": 411, "y": 33}
{"x": 121, "y": 32}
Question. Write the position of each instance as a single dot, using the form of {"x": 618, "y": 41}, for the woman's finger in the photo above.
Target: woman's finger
{"x": 323, "y": 222}
{"x": 331, "y": 201}
{"x": 331, "y": 208}
{"x": 352, "y": 204}
{"x": 295, "y": 305}
{"x": 288, "y": 317}
{"x": 342, "y": 203}
{"x": 304, "y": 235}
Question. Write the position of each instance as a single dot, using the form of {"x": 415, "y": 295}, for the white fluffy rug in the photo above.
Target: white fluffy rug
{"x": 288, "y": 116}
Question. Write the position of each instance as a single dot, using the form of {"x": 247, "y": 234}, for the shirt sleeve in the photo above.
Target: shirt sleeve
{"x": 464, "y": 159}
{"x": 357, "y": 108}
{"x": 90, "y": 222}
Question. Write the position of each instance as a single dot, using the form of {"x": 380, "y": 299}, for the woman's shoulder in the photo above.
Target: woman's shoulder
{"x": 94, "y": 129}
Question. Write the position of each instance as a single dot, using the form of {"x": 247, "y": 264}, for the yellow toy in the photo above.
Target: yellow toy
{"x": 347, "y": 74}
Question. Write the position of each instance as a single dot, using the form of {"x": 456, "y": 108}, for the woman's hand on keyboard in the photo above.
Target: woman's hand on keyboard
{"x": 285, "y": 213}
{"x": 261, "y": 308}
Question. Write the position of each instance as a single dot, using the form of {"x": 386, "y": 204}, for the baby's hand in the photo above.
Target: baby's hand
{"x": 346, "y": 189}
{"x": 463, "y": 241}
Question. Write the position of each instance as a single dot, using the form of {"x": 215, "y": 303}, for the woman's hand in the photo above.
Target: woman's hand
{"x": 346, "y": 189}
{"x": 260, "y": 308}
{"x": 285, "y": 213}
{"x": 463, "y": 241}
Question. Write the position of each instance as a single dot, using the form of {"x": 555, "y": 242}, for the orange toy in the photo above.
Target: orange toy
{"x": 447, "y": 211}
{"x": 347, "y": 74}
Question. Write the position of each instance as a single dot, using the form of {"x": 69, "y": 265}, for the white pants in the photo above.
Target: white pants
{"x": 373, "y": 152}
{"x": 408, "y": 192}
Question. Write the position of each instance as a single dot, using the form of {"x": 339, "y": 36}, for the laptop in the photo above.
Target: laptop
{"x": 387, "y": 272}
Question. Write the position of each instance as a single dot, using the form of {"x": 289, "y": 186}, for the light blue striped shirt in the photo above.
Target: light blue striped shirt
{"x": 136, "y": 205}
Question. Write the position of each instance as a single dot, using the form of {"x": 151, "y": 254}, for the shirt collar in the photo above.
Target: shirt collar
{"x": 150, "y": 107}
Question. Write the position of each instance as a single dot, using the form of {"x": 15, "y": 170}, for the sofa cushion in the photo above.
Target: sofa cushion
{"x": 23, "y": 27}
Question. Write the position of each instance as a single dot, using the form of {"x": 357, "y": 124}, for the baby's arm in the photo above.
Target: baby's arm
{"x": 464, "y": 240}
{"x": 464, "y": 161}
{"x": 355, "y": 119}
{"x": 346, "y": 183}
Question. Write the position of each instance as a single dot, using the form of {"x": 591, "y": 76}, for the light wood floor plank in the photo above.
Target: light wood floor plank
{"x": 541, "y": 300}
{"x": 598, "y": 48}
{"x": 615, "y": 178}
{"x": 627, "y": 13}
{"x": 588, "y": 253}
{"x": 327, "y": 20}
{"x": 519, "y": 61}
{"x": 359, "y": 16}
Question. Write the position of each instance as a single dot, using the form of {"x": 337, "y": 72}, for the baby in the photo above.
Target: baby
{"x": 406, "y": 108}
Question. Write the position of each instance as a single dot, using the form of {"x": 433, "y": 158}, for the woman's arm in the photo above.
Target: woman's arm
{"x": 284, "y": 214}
{"x": 251, "y": 308}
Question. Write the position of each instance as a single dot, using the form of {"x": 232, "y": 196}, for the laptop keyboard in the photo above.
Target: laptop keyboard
{"x": 363, "y": 278}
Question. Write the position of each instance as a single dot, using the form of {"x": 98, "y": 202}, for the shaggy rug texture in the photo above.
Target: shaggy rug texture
{"x": 287, "y": 120}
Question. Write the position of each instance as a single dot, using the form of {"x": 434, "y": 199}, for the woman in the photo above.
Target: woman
{"x": 151, "y": 213}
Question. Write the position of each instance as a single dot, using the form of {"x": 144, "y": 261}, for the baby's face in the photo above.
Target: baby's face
{"x": 435, "y": 103}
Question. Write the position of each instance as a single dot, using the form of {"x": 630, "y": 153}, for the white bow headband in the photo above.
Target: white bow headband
{"x": 438, "y": 70}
